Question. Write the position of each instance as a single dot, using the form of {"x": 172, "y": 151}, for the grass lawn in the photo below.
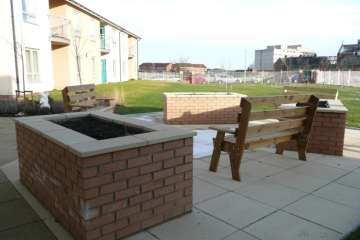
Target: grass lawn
{"x": 142, "y": 96}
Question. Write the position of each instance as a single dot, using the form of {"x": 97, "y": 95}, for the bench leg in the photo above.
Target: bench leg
{"x": 217, "y": 151}
{"x": 235, "y": 166}
{"x": 107, "y": 103}
{"x": 84, "y": 109}
{"x": 301, "y": 146}
{"x": 280, "y": 147}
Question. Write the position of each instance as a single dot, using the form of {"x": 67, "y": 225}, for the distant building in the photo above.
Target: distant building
{"x": 189, "y": 67}
{"x": 265, "y": 59}
{"x": 303, "y": 63}
{"x": 349, "y": 56}
{"x": 155, "y": 67}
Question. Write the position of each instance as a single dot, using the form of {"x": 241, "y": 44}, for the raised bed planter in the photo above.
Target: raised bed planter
{"x": 106, "y": 188}
{"x": 201, "y": 107}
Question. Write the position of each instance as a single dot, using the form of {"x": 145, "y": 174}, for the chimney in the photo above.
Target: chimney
{"x": 358, "y": 41}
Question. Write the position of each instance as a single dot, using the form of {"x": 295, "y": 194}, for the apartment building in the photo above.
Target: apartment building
{"x": 65, "y": 42}
{"x": 265, "y": 59}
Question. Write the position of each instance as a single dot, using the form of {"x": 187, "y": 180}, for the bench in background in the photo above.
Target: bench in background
{"x": 84, "y": 97}
{"x": 281, "y": 126}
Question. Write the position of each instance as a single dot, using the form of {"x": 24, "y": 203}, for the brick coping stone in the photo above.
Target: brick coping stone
{"x": 109, "y": 188}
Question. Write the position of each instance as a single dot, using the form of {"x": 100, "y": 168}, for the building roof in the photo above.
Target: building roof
{"x": 102, "y": 18}
{"x": 304, "y": 60}
{"x": 350, "y": 48}
{"x": 350, "y": 60}
{"x": 149, "y": 64}
{"x": 191, "y": 65}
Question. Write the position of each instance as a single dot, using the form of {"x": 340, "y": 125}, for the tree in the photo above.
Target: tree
{"x": 19, "y": 49}
{"x": 77, "y": 43}
{"x": 175, "y": 62}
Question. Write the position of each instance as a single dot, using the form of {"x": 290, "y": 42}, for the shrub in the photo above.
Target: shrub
{"x": 8, "y": 107}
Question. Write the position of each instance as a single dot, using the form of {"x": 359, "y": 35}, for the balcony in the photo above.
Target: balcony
{"x": 132, "y": 52}
{"x": 59, "y": 30}
{"x": 105, "y": 44}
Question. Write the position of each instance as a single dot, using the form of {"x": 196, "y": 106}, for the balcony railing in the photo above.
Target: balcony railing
{"x": 105, "y": 43}
{"x": 59, "y": 27}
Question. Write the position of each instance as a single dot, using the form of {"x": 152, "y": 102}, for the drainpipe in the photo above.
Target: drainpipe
{"x": 120, "y": 54}
{"x": 14, "y": 40}
{"x": 137, "y": 57}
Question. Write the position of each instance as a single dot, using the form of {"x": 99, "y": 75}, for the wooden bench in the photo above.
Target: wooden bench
{"x": 82, "y": 96}
{"x": 280, "y": 126}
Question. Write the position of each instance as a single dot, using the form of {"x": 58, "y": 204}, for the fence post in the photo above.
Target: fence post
{"x": 338, "y": 77}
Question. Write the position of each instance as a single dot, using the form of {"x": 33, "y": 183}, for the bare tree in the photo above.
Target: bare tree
{"x": 77, "y": 43}
{"x": 19, "y": 49}
{"x": 175, "y": 62}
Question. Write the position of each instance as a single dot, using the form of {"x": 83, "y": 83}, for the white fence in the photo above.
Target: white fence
{"x": 346, "y": 78}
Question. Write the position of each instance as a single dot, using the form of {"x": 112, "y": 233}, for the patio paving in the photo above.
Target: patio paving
{"x": 280, "y": 197}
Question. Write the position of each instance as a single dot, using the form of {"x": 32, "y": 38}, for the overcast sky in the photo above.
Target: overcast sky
{"x": 219, "y": 31}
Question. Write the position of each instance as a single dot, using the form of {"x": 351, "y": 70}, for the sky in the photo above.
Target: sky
{"x": 227, "y": 32}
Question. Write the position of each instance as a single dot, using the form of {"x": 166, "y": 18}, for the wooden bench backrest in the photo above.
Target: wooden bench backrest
{"x": 322, "y": 93}
{"x": 76, "y": 93}
{"x": 301, "y": 117}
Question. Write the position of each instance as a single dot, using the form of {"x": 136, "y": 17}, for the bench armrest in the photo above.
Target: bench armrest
{"x": 223, "y": 129}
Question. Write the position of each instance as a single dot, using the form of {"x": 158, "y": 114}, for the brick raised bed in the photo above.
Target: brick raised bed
{"x": 328, "y": 132}
{"x": 99, "y": 189}
{"x": 201, "y": 108}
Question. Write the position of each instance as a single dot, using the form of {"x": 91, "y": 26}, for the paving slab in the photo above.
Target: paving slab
{"x": 35, "y": 230}
{"x": 346, "y": 163}
{"x": 195, "y": 225}
{"x": 236, "y": 210}
{"x": 240, "y": 235}
{"x": 298, "y": 181}
{"x": 339, "y": 193}
{"x": 282, "y": 225}
{"x": 270, "y": 193}
{"x": 320, "y": 171}
{"x": 8, "y": 192}
{"x": 16, "y": 213}
{"x": 222, "y": 178}
{"x": 280, "y": 161}
{"x": 352, "y": 180}
{"x": 335, "y": 216}
{"x": 259, "y": 170}
{"x": 205, "y": 191}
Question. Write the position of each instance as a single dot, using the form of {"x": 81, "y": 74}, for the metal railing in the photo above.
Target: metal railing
{"x": 105, "y": 42}
{"x": 132, "y": 51}
{"x": 59, "y": 26}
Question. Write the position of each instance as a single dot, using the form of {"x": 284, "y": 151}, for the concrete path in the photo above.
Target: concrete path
{"x": 280, "y": 197}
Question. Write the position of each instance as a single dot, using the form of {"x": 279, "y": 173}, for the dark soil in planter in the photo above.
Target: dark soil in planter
{"x": 98, "y": 129}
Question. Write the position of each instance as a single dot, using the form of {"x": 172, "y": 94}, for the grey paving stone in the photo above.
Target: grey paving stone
{"x": 3, "y": 178}
{"x": 16, "y": 213}
{"x": 36, "y": 230}
{"x": 8, "y": 192}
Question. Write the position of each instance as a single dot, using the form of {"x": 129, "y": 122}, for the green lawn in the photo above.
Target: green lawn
{"x": 142, "y": 96}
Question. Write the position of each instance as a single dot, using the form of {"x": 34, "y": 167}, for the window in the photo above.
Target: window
{"x": 113, "y": 35}
{"x": 28, "y": 9}
{"x": 92, "y": 29}
{"x": 114, "y": 68}
{"x": 93, "y": 67}
{"x": 77, "y": 23}
{"x": 32, "y": 65}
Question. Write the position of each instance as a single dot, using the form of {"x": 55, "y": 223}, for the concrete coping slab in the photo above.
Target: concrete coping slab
{"x": 84, "y": 146}
{"x": 204, "y": 94}
{"x": 336, "y": 106}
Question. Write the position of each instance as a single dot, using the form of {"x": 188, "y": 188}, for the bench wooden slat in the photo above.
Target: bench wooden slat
{"x": 322, "y": 93}
{"x": 78, "y": 88}
{"x": 277, "y": 113}
{"x": 81, "y": 96}
{"x": 282, "y": 99}
{"x": 288, "y": 124}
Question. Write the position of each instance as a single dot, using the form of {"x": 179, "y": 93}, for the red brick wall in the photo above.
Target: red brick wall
{"x": 110, "y": 195}
{"x": 327, "y": 135}
{"x": 201, "y": 110}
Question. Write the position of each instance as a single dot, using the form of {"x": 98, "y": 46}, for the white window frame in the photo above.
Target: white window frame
{"x": 77, "y": 29}
{"x": 93, "y": 67}
{"x": 92, "y": 29}
{"x": 28, "y": 11}
{"x": 114, "y": 68}
{"x": 114, "y": 36}
{"x": 33, "y": 74}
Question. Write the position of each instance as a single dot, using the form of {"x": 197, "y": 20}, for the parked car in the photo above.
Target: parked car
{"x": 198, "y": 79}
{"x": 158, "y": 78}
{"x": 227, "y": 79}
{"x": 279, "y": 78}
{"x": 173, "y": 78}
{"x": 257, "y": 79}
